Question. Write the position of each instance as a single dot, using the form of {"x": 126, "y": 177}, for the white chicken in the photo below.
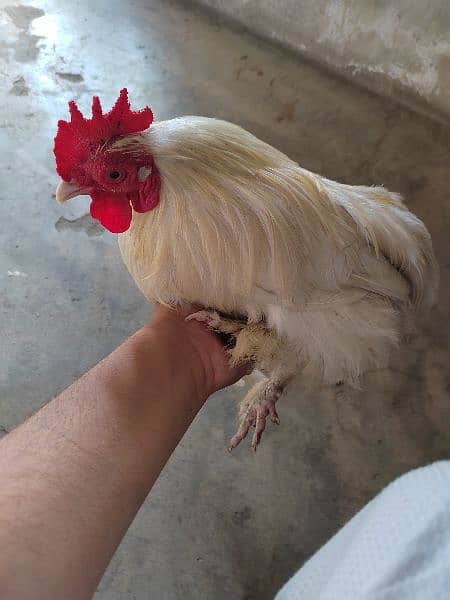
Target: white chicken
{"x": 308, "y": 275}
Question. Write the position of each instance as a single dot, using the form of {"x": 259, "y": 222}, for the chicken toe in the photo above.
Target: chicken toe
{"x": 254, "y": 410}
{"x": 215, "y": 321}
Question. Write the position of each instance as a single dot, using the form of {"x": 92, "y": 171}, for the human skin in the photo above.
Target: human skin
{"x": 75, "y": 474}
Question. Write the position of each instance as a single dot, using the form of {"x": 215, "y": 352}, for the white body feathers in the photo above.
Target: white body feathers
{"x": 334, "y": 271}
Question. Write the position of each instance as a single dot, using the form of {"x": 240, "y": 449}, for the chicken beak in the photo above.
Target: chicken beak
{"x": 65, "y": 190}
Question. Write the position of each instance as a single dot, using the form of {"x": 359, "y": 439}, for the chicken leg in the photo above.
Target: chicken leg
{"x": 253, "y": 343}
{"x": 254, "y": 409}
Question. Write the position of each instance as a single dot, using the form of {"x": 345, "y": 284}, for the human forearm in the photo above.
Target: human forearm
{"x": 75, "y": 474}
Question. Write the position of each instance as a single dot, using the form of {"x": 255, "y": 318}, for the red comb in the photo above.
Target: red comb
{"x": 78, "y": 138}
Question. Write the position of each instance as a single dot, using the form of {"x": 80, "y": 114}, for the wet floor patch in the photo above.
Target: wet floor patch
{"x": 73, "y": 77}
{"x": 85, "y": 223}
{"x": 25, "y": 48}
{"x": 22, "y": 16}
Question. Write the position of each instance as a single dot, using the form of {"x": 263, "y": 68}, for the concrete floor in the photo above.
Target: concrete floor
{"x": 216, "y": 525}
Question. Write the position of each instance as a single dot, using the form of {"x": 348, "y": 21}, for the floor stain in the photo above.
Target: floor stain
{"x": 240, "y": 69}
{"x": 239, "y": 517}
{"x": 257, "y": 70}
{"x": 74, "y": 77}
{"x": 85, "y": 223}
{"x": 19, "y": 87}
{"x": 287, "y": 113}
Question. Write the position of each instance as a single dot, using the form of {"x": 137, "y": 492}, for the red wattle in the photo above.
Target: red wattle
{"x": 112, "y": 210}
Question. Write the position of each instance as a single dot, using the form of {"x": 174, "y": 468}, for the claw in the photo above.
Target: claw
{"x": 260, "y": 425}
{"x": 273, "y": 414}
{"x": 241, "y": 433}
{"x": 210, "y": 317}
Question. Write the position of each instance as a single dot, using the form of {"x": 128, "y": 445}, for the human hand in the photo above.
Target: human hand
{"x": 203, "y": 351}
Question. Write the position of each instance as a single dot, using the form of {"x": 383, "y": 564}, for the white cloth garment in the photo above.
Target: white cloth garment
{"x": 396, "y": 548}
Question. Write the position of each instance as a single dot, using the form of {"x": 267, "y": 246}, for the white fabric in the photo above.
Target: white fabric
{"x": 396, "y": 548}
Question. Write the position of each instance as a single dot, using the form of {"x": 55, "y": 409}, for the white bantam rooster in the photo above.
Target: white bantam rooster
{"x": 307, "y": 275}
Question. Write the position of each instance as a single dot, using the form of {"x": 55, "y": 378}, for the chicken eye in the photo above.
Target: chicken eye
{"x": 115, "y": 175}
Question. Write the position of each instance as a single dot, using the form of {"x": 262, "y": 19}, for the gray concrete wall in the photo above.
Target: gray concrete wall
{"x": 398, "y": 48}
